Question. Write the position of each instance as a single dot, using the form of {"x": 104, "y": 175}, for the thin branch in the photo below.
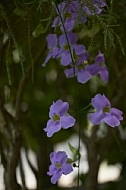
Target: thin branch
{"x": 23, "y": 83}
{"x": 22, "y": 173}
{"x": 14, "y": 149}
{"x": 3, "y": 155}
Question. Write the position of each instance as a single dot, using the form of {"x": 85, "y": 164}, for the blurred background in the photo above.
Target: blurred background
{"x": 27, "y": 90}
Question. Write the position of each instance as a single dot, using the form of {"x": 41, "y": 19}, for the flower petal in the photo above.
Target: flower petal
{"x": 100, "y": 3}
{"x": 104, "y": 74}
{"x": 58, "y": 107}
{"x": 56, "y": 176}
{"x": 83, "y": 76}
{"x": 79, "y": 49}
{"x": 66, "y": 58}
{"x": 48, "y": 57}
{"x": 100, "y": 101}
{"x": 100, "y": 58}
{"x": 56, "y": 22}
{"x": 50, "y": 122}
{"x": 53, "y": 156}
{"x": 96, "y": 118}
{"x": 111, "y": 121}
{"x": 70, "y": 72}
{"x": 83, "y": 57}
{"x": 67, "y": 121}
{"x": 69, "y": 24}
{"x": 72, "y": 38}
{"x": 67, "y": 168}
{"x": 61, "y": 157}
{"x": 52, "y": 127}
{"x": 52, "y": 40}
{"x": 117, "y": 113}
{"x": 52, "y": 169}
{"x": 94, "y": 68}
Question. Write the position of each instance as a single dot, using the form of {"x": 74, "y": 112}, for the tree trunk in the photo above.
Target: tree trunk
{"x": 91, "y": 183}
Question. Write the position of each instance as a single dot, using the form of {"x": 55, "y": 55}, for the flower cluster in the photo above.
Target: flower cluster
{"x": 69, "y": 11}
{"x": 59, "y": 118}
{"x": 59, "y": 48}
{"x": 75, "y": 56}
{"x": 65, "y": 47}
{"x": 85, "y": 71}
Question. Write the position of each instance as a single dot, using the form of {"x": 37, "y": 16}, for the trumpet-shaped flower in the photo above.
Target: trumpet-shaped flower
{"x": 59, "y": 165}
{"x": 104, "y": 112}
{"x": 59, "y": 118}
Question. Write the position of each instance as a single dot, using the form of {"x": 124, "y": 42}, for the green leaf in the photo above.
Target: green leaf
{"x": 73, "y": 149}
{"x": 38, "y": 30}
{"x": 69, "y": 160}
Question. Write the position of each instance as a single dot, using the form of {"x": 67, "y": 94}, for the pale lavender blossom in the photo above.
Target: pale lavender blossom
{"x": 64, "y": 51}
{"x": 69, "y": 12}
{"x": 74, "y": 12}
{"x": 100, "y": 68}
{"x": 92, "y": 8}
{"x": 59, "y": 118}
{"x": 81, "y": 70}
{"x": 59, "y": 165}
{"x": 104, "y": 112}
{"x": 52, "y": 43}
{"x": 85, "y": 71}
{"x": 100, "y": 3}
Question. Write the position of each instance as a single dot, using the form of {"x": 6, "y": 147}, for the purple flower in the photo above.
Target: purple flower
{"x": 64, "y": 51}
{"x": 69, "y": 13}
{"x": 52, "y": 42}
{"x": 75, "y": 12}
{"x": 100, "y": 68}
{"x": 81, "y": 70}
{"x": 95, "y": 8}
{"x": 73, "y": 9}
{"x": 100, "y": 3}
{"x": 104, "y": 112}
{"x": 58, "y": 166}
{"x": 83, "y": 75}
{"x": 59, "y": 118}
{"x": 85, "y": 71}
